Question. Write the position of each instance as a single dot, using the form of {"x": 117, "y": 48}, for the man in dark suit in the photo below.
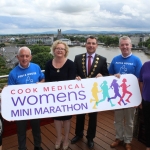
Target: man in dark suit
{"x": 89, "y": 65}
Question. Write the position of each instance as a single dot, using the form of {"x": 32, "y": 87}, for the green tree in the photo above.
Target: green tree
{"x": 2, "y": 61}
{"x": 35, "y": 49}
{"x": 41, "y": 59}
{"x": 148, "y": 47}
{"x": 108, "y": 40}
{"x": 147, "y": 42}
{"x": 16, "y": 40}
{"x": 140, "y": 44}
{"x": 72, "y": 38}
{"x": 22, "y": 42}
{"x": 39, "y": 42}
{"x": 82, "y": 39}
{"x": 116, "y": 40}
{"x": 3, "y": 69}
{"x": 2, "y": 45}
{"x": 101, "y": 38}
{"x": 75, "y": 38}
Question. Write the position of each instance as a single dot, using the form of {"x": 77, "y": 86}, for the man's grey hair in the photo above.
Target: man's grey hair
{"x": 124, "y": 38}
{"x": 24, "y": 48}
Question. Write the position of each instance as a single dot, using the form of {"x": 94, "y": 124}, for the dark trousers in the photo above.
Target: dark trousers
{"x": 146, "y": 113}
{"x": 1, "y": 129}
{"x": 21, "y": 132}
{"x": 91, "y": 131}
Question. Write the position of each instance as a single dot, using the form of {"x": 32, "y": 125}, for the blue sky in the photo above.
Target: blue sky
{"x": 30, "y": 16}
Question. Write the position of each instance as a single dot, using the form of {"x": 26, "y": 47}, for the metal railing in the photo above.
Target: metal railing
{"x": 6, "y": 76}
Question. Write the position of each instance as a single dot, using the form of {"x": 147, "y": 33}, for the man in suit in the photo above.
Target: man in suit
{"x": 89, "y": 65}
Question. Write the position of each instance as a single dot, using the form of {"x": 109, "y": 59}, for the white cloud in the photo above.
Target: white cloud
{"x": 127, "y": 10}
{"x": 38, "y": 15}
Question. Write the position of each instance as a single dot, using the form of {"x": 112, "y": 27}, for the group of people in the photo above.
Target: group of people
{"x": 87, "y": 65}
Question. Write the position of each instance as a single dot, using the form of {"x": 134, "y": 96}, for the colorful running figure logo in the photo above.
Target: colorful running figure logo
{"x": 114, "y": 85}
{"x": 105, "y": 93}
{"x": 125, "y": 91}
{"x": 95, "y": 92}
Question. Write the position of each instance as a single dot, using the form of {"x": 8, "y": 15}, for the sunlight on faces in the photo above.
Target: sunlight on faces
{"x": 24, "y": 56}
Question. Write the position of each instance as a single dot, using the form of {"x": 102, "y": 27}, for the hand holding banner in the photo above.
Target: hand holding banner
{"x": 51, "y": 99}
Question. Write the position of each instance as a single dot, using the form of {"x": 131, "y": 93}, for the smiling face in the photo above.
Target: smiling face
{"x": 24, "y": 57}
{"x": 60, "y": 50}
{"x": 125, "y": 47}
{"x": 91, "y": 46}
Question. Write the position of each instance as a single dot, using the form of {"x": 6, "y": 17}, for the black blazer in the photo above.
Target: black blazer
{"x": 99, "y": 65}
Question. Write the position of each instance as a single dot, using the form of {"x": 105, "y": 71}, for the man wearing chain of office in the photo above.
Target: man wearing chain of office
{"x": 89, "y": 65}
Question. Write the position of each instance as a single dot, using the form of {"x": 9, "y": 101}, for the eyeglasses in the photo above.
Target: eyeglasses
{"x": 60, "y": 49}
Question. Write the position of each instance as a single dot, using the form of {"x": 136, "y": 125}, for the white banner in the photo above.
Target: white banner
{"x": 51, "y": 99}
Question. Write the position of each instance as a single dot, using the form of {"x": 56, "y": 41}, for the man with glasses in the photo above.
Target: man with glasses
{"x": 89, "y": 65}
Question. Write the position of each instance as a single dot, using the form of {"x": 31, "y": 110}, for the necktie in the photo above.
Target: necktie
{"x": 89, "y": 63}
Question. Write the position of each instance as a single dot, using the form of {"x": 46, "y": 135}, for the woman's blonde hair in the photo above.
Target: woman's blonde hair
{"x": 60, "y": 42}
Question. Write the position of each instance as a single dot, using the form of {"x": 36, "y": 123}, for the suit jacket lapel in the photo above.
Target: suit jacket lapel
{"x": 94, "y": 65}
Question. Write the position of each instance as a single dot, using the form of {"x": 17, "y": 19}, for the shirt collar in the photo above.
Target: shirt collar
{"x": 93, "y": 55}
{"x": 23, "y": 67}
{"x": 127, "y": 56}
